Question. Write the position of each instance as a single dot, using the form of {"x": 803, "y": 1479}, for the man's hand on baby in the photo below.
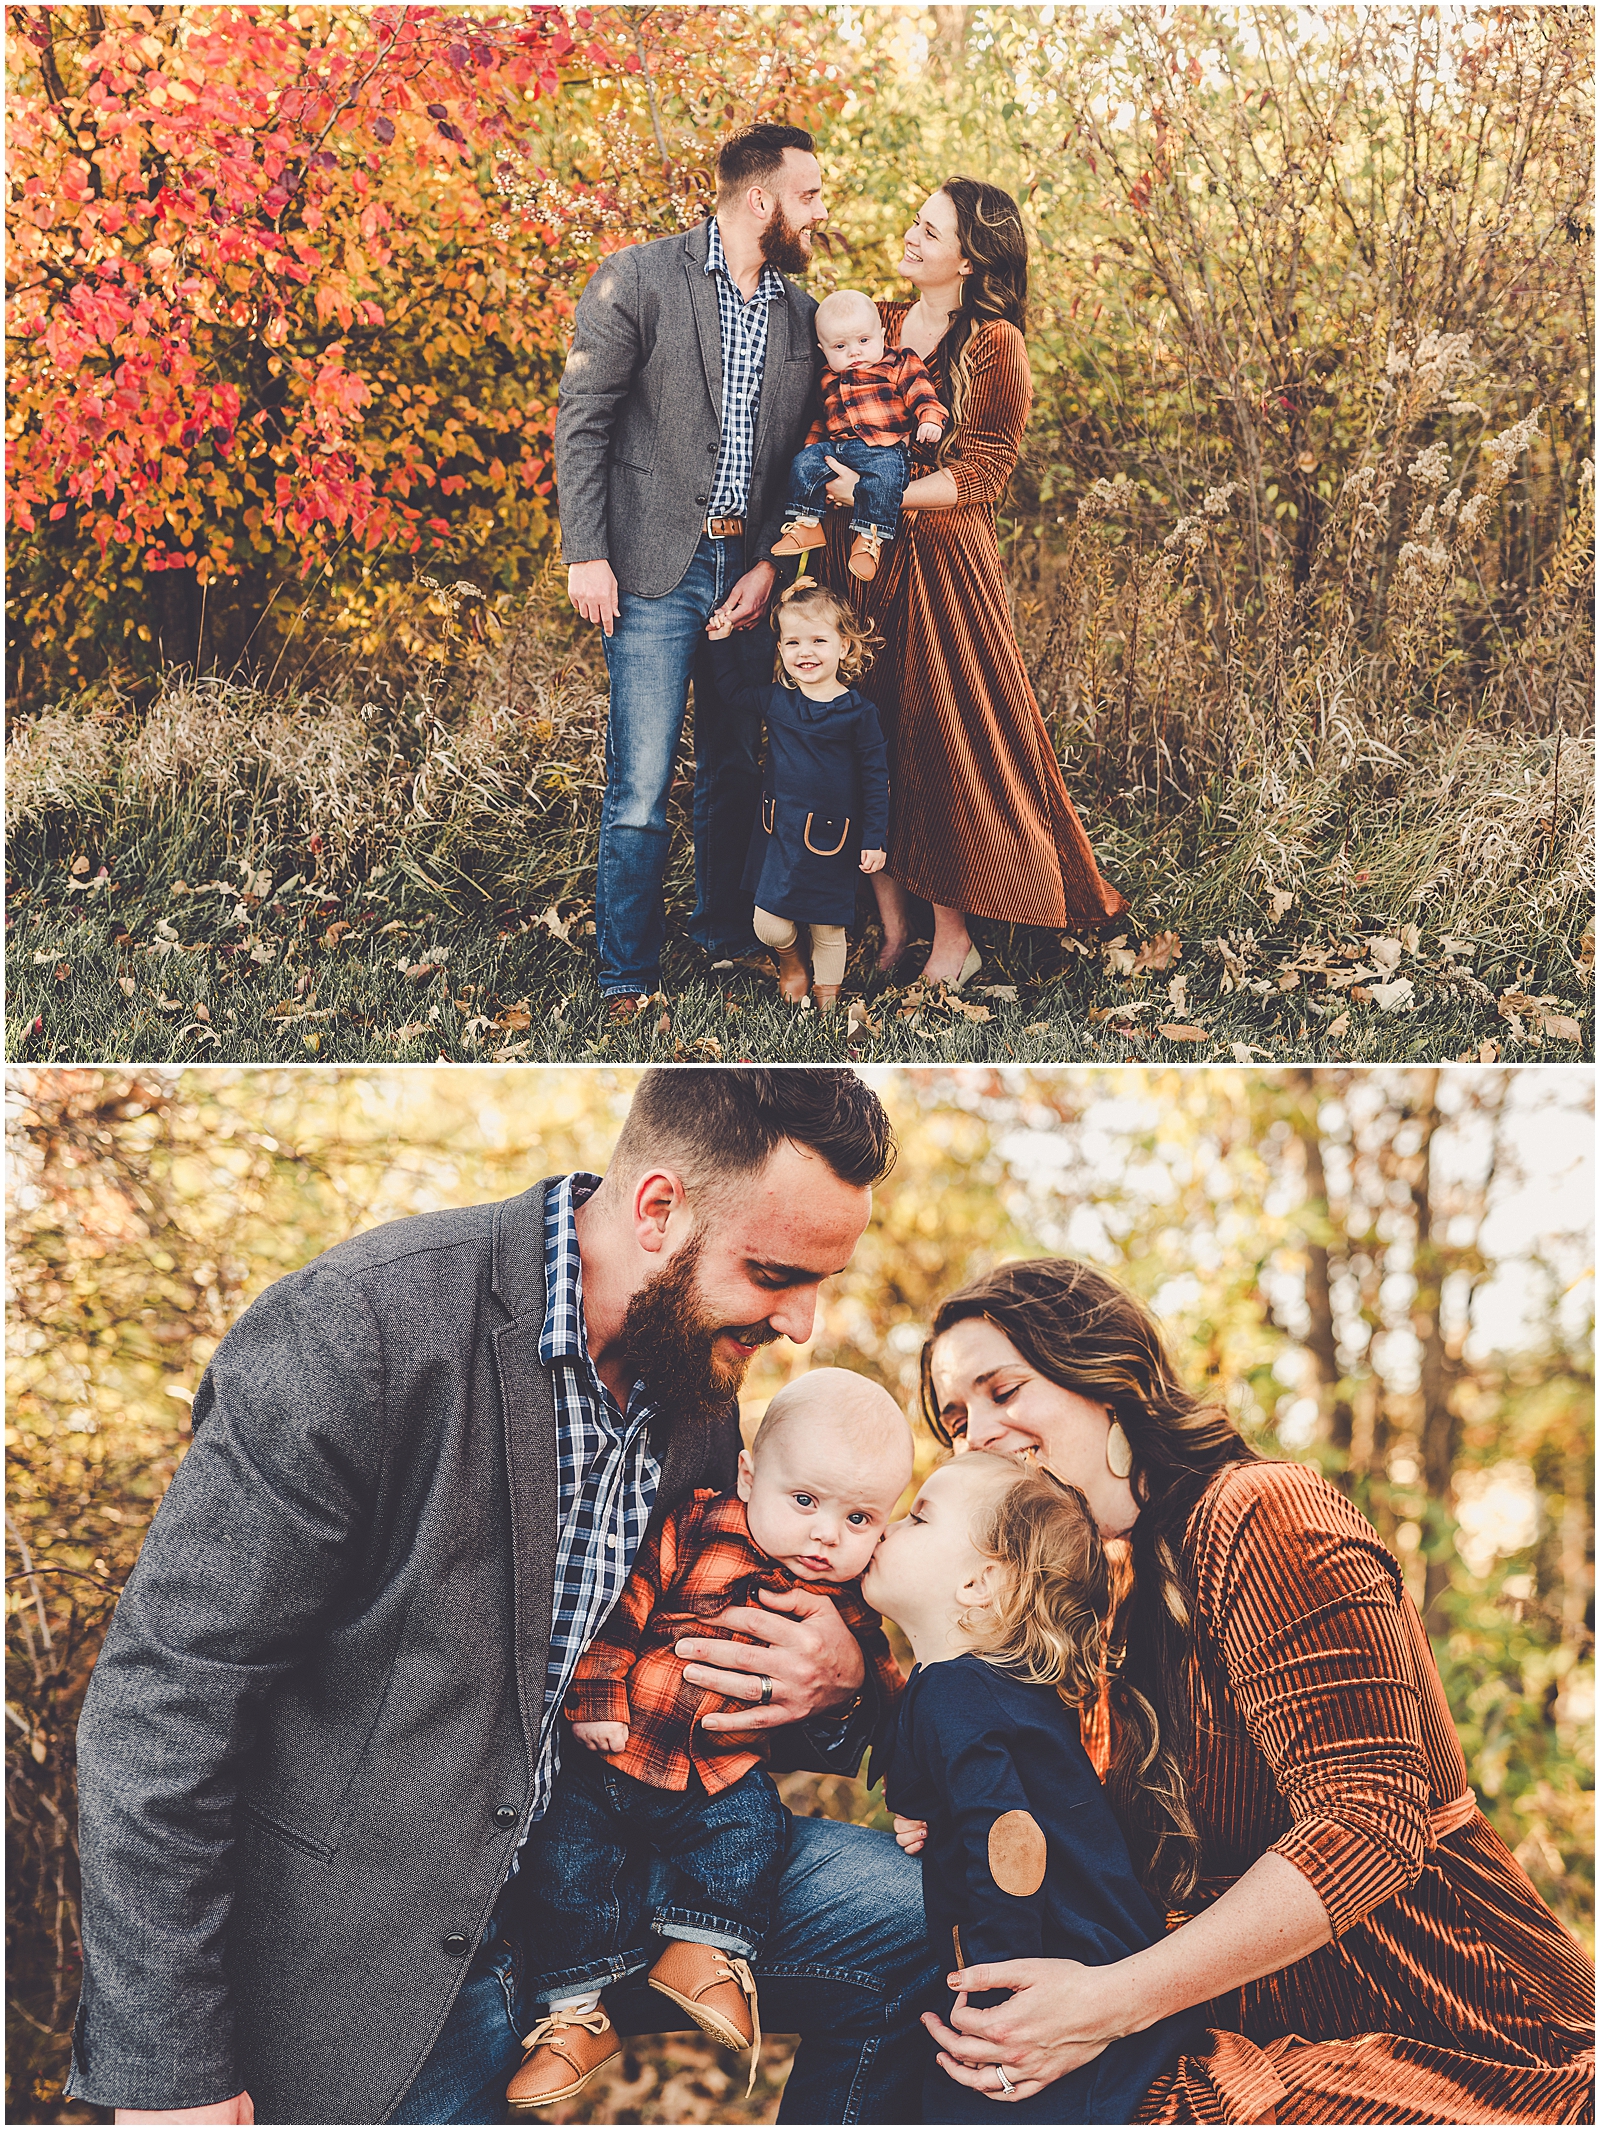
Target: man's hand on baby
{"x": 601, "y": 1737}
{"x": 872, "y": 861}
{"x": 910, "y": 1834}
{"x": 929, "y": 432}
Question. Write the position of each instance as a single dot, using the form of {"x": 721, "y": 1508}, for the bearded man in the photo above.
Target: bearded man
{"x": 325, "y": 1716}
{"x": 688, "y": 390}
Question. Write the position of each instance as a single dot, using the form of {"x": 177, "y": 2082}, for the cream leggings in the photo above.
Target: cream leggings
{"x": 829, "y": 947}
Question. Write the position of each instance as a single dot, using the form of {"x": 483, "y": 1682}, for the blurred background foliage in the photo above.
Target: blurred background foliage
{"x": 1384, "y": 1272}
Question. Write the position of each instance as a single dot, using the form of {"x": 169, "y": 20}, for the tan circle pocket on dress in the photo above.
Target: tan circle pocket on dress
{"x": 1017, "y": 1854}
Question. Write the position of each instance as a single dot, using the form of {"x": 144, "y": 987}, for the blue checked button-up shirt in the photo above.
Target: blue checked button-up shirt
{"x": 744, "y": 353}
{"x": 607, "y": 1474}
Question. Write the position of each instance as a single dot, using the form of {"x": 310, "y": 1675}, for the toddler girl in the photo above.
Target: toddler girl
{"x": 825, "y": 800}
{"x": 999, "y": 1580}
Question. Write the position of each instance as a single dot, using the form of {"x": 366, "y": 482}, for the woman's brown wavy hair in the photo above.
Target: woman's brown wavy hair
{"x": 1079, "y": 1329}
{"x": 990, "y": 233}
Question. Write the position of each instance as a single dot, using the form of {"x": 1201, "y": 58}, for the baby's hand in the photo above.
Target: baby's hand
{"x": 872, "y": 861}
{"x": 929, "y": 432}
{"x": 601, "y": 1737}
{"x": 910, "y": 1834}
{"x": 719, "y": 625}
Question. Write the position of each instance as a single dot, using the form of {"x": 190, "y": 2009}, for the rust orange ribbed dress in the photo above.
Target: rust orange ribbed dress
{"x": 1449, "y": 1993}
{"x": 980, "y": 819}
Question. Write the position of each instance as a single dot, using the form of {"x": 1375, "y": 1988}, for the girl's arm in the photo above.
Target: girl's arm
{"x": 742, "y": 664}
{"x": 873, "y": 757}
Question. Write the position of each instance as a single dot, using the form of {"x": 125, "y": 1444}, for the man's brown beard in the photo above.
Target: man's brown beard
{"x": 784, "y": 246}
{"x": 669, "y": 1343}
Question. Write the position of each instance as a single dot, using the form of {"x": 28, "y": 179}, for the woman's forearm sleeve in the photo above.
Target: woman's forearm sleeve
{"x": 999, "y": 394}
{"x": 1319, "y": 1659}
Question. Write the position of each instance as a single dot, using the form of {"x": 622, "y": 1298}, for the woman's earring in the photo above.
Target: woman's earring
{"x": 1119, "y": 1452}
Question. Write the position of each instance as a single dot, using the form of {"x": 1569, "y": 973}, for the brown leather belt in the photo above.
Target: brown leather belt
{"x": 724, "y": 528}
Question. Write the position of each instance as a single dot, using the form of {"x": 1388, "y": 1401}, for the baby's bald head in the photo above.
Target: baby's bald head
{"x": 831, "y": 1458}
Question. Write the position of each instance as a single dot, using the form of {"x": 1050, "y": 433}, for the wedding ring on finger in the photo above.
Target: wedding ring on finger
{"x": 1005, "y": 2084}
{"x": 766, "y": 1688}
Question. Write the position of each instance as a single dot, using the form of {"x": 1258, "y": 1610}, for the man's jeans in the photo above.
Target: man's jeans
{"x": 589, "y": 1866}
{"x": 655, "y": 649}
{"x": 883, "y": 470}
{"x": 847, "y": 1967}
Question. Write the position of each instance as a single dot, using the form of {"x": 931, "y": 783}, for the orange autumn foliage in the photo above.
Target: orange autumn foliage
{"x": 257, "y": 262}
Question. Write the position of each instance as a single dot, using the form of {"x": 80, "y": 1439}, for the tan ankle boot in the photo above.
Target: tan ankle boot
{"x": 564, "y": 2051}
{"x": 796, "y": 539}
{"x": 864, "y": 555}
{"x": 825, "y": 997}
{"x": 718, "y": 1992}
{"x": 794, "y": 978}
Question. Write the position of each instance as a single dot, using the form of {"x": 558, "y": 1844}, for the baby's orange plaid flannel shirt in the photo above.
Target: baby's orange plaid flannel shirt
{"x": 878, "y": 402}
{"x": 702, "y": 1560}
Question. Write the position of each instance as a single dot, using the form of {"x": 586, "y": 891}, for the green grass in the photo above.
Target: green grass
{"x": 91, "y": 978}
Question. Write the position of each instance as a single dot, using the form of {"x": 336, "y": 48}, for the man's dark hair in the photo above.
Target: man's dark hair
{"x": 714, "y": 1122}
{"x": 755, "y": 156}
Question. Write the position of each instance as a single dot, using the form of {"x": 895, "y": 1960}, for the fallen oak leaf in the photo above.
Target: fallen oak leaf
{"x": 1037, "y": 1028}
{"x": 1386, "y": 954}
{"x": 1562, "y": 1027}
{"x": 514, "y": 1017}
{"x": 1006, "y": 991}
{"x": 45, "y": 956}
{"x": 1244, "y": 1052}
{"x": 508, "y": 1051}
{"x": 410, "y": 1032}
{"x": 335, "y": 933}
{"x": 1395, "y": 997}
{"x": 422, "y": 972}
{"x": 1175, "y": 1032}
{"x": 1159, "y": 952}
{"x": 1339, "y": 1027}
{"x": 127, "y": 983}
{"x": 857, "y": 1016}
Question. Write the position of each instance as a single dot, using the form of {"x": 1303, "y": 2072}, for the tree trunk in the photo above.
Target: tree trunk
{"x": 1317, "y": 1226}
{"x": 1440, "y": 1428}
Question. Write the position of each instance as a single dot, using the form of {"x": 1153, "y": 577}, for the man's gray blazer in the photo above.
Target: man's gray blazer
{"x": 306, "y": 1752}
{"x": 639, "y": 422}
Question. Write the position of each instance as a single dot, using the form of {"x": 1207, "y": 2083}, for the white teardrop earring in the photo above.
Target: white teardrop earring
{"x": 1119, "y": 1452}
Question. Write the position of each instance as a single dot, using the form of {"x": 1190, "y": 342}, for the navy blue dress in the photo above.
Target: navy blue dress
{"x": 1024, "y": 1860}
{"x": 825, "y": 796}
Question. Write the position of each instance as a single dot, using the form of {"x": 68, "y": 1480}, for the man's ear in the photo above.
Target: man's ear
{"x": 657, "y": 1198}
{"x": 746, "y": 1480}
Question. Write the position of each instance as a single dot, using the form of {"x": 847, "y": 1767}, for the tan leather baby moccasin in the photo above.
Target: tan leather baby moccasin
{"x": 563, "y": 2053}
{"x": 718, "y": 1992}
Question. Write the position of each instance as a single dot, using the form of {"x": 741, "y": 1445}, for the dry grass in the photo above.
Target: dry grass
{"x": 1397, "y": 741}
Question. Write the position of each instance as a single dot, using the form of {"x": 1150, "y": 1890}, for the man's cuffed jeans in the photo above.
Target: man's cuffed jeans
{"x": 656, "y": 647}
{"x": 847, "y": 1967}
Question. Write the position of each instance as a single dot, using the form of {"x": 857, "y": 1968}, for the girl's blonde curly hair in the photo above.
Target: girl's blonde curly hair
{"x": 859, "y": 641}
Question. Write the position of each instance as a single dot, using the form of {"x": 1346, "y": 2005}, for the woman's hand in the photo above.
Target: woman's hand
{"x": 805, "y": 1655}
{"x": 842, "y": 488}
{"x": 1057, "y": 2018}
{"x": 910, "y": 1834}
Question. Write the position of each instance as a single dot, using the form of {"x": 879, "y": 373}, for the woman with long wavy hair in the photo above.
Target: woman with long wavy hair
{"x": 981, "y": 824}
{"x": 1363, "y": 1942}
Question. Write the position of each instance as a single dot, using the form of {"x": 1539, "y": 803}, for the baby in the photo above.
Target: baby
{"x": 815, "y": 1494}
{"x": 871, "y": 401}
